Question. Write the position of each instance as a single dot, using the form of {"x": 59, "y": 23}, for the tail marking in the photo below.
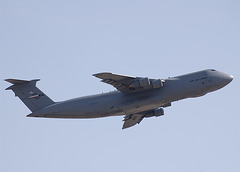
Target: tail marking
{"x": 30, "y": 95}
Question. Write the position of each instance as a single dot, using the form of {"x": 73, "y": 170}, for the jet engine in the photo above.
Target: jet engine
{"x": 156, "y": 112}
{"x": 142, "y": 82}
{"x": 157, "y": 83}
{"x": 147, "y": 83}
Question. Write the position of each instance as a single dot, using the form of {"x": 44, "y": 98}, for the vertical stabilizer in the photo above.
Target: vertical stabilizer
{"x": 30, "y": 95}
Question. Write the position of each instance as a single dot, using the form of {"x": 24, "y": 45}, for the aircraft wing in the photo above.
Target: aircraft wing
{"x": 120, "y": 82}
{"x": 132, "y": 119}
{"x": 128, "y": 84}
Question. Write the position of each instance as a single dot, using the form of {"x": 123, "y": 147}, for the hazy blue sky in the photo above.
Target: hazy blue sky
{"x": 64, "y": 42}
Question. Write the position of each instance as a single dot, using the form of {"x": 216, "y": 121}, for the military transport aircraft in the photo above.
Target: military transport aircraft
{"x": 135, "y": 97}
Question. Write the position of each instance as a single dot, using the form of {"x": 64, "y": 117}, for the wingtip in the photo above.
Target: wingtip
{"x": 8, "y": 80}
{"x": 125, "y": 126}
{"x": 101, "y": 73}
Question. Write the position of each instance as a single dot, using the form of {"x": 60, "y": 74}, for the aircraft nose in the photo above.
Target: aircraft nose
{"x": 227, "y": 78}
{"x": 222, "y": 79}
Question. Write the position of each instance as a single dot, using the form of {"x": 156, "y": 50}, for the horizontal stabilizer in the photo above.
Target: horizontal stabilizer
{"x": 17, "y": 82}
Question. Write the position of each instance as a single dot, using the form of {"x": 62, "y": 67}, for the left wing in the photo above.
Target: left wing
{"x": 128, "y": 84}
{"x": 133, "y": 119}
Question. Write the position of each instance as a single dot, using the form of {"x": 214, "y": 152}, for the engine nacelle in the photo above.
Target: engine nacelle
{"x": 147, "y": 83}
{"x": 157, "y": 83}
{"x": 156, "y": 112}
{"x": 142, "y": 82}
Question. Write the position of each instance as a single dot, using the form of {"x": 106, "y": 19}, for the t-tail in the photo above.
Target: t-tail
{"x": 30, "y": 95}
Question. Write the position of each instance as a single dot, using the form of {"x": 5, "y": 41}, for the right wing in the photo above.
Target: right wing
{"x": 128, "y": 84}
{"x": 120, "y": 82}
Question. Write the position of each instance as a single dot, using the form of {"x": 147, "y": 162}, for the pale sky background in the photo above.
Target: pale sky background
{"x": 64, "y": 42}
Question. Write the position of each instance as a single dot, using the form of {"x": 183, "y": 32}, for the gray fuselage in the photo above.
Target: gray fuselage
{"x": 116, "y": 103}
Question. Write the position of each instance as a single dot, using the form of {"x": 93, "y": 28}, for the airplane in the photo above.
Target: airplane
{"x": 136, "y": 97}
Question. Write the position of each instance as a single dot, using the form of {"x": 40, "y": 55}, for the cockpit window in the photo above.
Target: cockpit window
{"x": 213, "y": 70}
